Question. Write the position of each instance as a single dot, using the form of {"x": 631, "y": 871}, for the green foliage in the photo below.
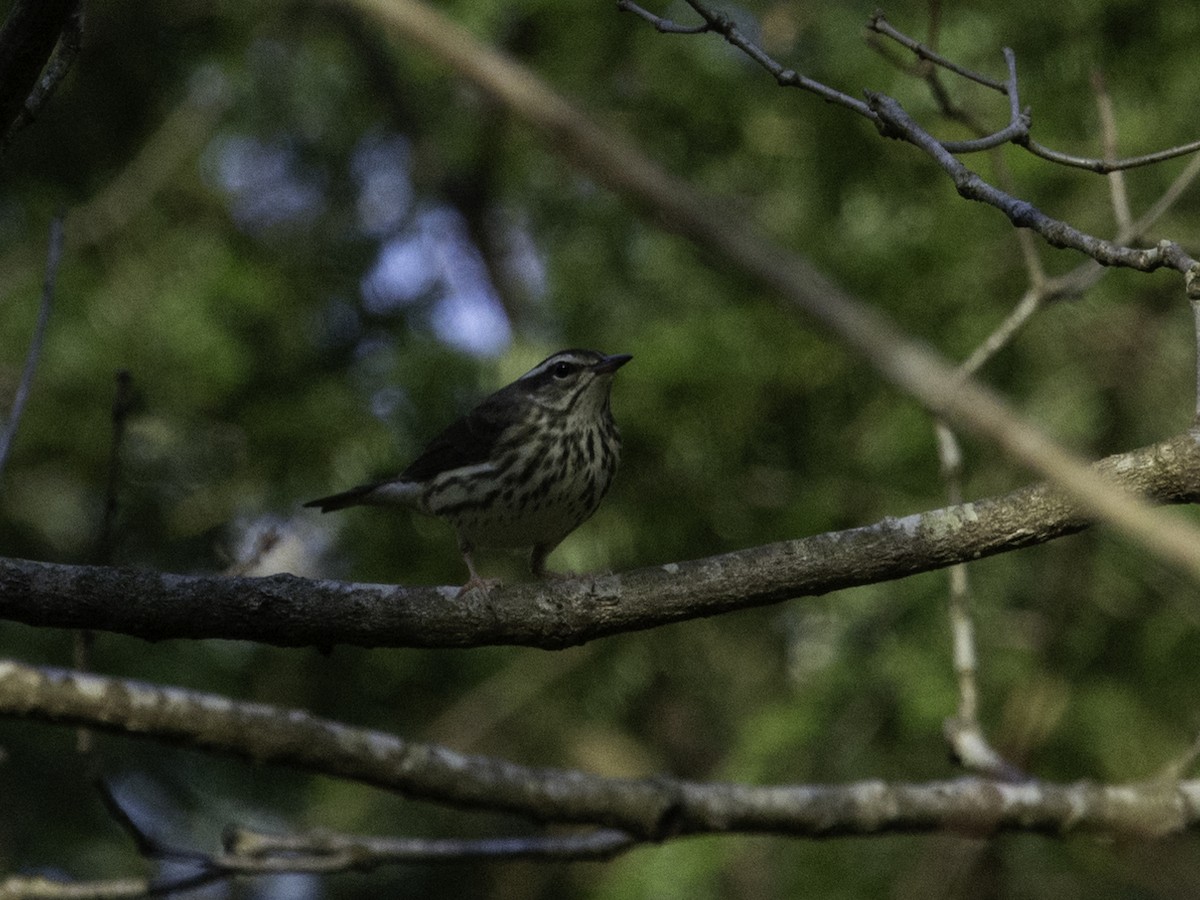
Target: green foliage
{"x": 235, "y": 287}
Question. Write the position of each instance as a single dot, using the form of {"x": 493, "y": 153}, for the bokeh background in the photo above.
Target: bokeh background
{"x": 312, "y": 247}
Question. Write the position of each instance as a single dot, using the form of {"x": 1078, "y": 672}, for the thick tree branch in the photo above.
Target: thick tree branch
{"x": 650, "y": 809}
{"x": 289, "y": 611}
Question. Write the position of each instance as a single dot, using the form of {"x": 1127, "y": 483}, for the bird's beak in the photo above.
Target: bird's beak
{"x": 611, "y": 363}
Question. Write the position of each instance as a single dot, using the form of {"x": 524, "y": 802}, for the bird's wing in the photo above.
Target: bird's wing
{"x": 468, "y": 441}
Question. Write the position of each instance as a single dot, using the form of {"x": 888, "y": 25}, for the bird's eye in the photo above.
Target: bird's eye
{"x": 562, "y": 369}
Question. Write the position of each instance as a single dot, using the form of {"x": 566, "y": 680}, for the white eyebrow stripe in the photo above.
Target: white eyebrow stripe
{"x": 546, "y": 365}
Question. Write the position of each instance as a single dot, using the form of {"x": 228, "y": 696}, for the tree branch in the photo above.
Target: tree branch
{"x": 327, "y": 851}
{"x": 290, "y": 611}
{"x": 27, "y": 39}
{"x": 246, "y": 852}
{"x": 652, "y": 809}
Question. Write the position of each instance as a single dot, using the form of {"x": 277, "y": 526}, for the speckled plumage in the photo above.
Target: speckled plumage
{"x": 524, "y": 468}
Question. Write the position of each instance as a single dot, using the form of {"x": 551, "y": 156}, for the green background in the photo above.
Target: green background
{"x": 237, "y": 175}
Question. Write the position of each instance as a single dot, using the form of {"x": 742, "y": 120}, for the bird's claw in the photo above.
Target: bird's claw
{"x": 475, "y": 583}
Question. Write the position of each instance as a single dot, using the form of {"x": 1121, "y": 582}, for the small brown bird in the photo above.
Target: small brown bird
{"x": 524, "y": 468}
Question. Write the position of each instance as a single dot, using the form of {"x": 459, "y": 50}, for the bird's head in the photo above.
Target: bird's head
{"x": 572, "y": 382}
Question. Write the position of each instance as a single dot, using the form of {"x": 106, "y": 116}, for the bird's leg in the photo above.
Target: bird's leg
{"x": 537, "y": 560}
{"x": 475, "y": 582}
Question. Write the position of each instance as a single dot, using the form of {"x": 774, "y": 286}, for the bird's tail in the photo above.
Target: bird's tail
{"x": 352, "y": 497}
{"x": 382, "y": 493}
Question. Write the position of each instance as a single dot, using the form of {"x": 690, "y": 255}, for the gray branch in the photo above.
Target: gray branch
{"x": 285, "y": 610}
{"x": 650, "y": 809}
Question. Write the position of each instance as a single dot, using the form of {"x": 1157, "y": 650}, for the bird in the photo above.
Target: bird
{"x": 523, "y": 469}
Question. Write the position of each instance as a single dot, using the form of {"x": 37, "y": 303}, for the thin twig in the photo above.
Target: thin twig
{"x": 1018, "y": 119}
{"x": 1108, "y": 141}
{"x": 249, "y": 852}
{"x": 878, "y": 23}
{"x": 963, "y": 731}
{"x": 246, "y": 848}
{"x": 891, "y": 120}
{"x": 666, "y": 26}
{"x": 1104, "y": 166}
{"x": 1003, "y": 334}
{"x": 53, "y": 256}
{"x": 1086, "y": 274}
{"x": 727, "y": 28}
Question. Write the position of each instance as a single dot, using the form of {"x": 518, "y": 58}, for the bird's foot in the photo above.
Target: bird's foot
{"x": 475, "y": 583}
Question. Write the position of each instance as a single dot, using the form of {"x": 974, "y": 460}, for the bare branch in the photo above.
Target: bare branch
{"x": 963, "y": 731}
{"x": 248, "y": 852}
{"x": 39, "y": 887}
{"x": 53, "y": 255}
{"x": 1108, "y": 140}
{"x": 1166, "y": 254}
{"x": 666, "y": 26}
{"x": 288, "y": 611}
{"x": 649, "y": 809}
{"x": 361, "y": 853}
{"x": 721, "y": 24}
{"x": 1103, "y": 166}
{"x": 878, "y": 23}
